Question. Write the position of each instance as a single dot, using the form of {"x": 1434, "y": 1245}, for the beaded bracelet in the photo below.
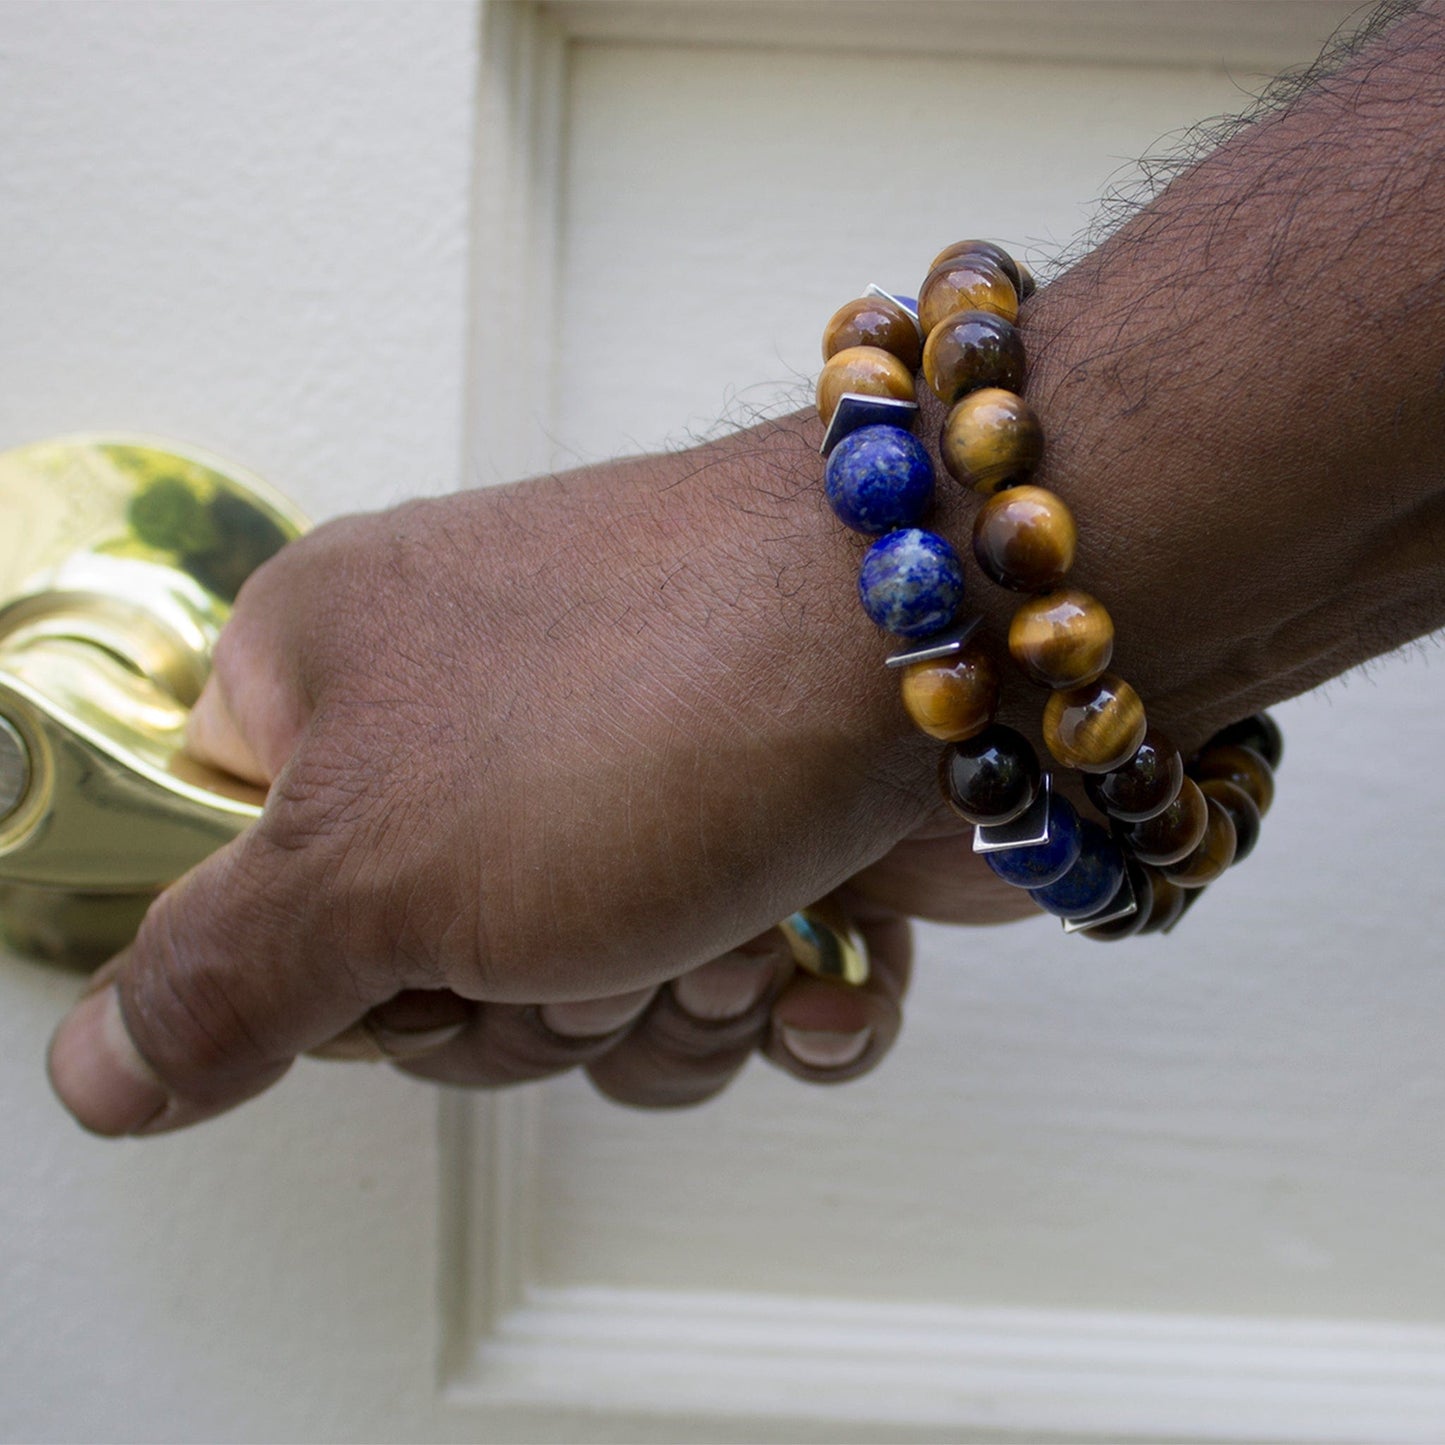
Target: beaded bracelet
{"x": 1168, "y": 830}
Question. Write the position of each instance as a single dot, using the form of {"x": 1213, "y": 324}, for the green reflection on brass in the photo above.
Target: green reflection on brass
{"x": 119, "y": 561}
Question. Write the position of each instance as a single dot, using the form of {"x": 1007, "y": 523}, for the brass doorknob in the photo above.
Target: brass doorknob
{"x": 119, "y": 561}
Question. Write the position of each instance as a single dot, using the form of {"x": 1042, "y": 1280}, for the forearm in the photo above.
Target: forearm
{"x": 1240, "y": 392}
{"x": 1242, "y": 395}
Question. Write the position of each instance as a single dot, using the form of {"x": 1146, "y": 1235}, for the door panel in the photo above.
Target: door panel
{"x": 1167, "y": 1190}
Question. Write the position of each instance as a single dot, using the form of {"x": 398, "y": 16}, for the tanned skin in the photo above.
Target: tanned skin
{"x": 543, "y": 757}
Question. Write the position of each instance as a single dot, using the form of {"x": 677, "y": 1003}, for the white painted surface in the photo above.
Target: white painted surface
{"x": 1242, "y": 35}
{"x": 250, "y": 226}
{"x": 246, "y": 226}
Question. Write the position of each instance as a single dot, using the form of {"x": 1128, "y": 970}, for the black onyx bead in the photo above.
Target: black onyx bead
{"x": 1259, "y": 732}
{"x": 991, "y": 777}
{"x": 1144, "y": 786}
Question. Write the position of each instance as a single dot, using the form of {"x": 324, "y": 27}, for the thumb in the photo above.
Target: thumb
{"x": 209, "y": 1005}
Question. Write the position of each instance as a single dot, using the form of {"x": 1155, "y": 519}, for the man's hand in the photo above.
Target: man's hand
{"x": 571, "y": 740}
{"x": 540, "y": 767}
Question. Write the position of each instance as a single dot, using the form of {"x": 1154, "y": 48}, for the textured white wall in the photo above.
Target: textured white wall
{"x": 242, "y": 225}
{"x": 246, "y": 226}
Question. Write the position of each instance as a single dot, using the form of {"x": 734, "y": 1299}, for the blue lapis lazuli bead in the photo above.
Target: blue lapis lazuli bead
{"x": 911, "y": 582}
{"x": 879, "y": 478}
{"x": 1035, "y": 865}
{"x": 1093, "y": 880}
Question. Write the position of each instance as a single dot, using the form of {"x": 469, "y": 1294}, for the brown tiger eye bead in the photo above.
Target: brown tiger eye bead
{"x": 1173, "y": 834}
{"x": 952, "y": 698}
{"x": 996, "y": 254}
{"x": 1097, "y": 727}
{"x": 874, "y": 321}
{"x": 1144, "y": 786}
{"x": 867, "y": 370}
{"x": 971, "y": 282}
{"x": 1025, "y": 537}
{"x": 991, "y": 438}
{"x": 971, "y": 349}
{"x": 1170, "y": 901}
{"x": 1064, "y": 639}
{"x": 1239, "y": 765}
{"x": 1242, "y": 813}
{"x": 1212, "y": 856}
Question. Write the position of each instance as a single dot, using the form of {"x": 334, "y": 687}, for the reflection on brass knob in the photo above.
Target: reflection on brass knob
{"x": 822, "y": 941}
{"x": 119, "y": 563}
{"x": 14, "y": 770}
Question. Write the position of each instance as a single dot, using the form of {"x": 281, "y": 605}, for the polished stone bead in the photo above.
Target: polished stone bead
{"x": 1242, "y": 813}
{"x": 991, "y": 439}
{"x": 879, "y": 478}
{"x": 993, "y": 251}
{"x": 972, "y": 349}
{"x": 1141, "y": 882}
{"x": 1091, "y": 882}
{"x": 1239, "y": 765}
{"x": 992, "y": 777}
{"x": 1173, "y": 834}
{"x": 971, "y": 282}
{"x": 911, "y": 582}
{"x": 865, "y": 371}
{"x": 1170, "y": 901}
{"x": 1037, "y": 864}
{"x": 1259, "y": 732}
{"x": 1097, "y": 727}
{"x": 1025, "y": 537}
{"x": 1142, "y": 787}
{"x": 952, "y": 698}
{"x": 1063, "y": 639}
{"x": 874, "y": 321}
{"x": 1211, "y": 856}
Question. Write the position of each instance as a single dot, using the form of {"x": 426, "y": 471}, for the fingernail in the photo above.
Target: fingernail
{"x": 407, "y": 1043}
{"x": 592, "y": 1018}
{"x": 96, "y": 1071}
{"x": 727, "y": 986}
{"x": 823, "y": 1049}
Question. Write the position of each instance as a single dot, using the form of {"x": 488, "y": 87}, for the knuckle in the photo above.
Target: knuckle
{"x": 673, "y": 1032}
{"x": 641, "y": 1079}
{"x": 509, "y": 1045}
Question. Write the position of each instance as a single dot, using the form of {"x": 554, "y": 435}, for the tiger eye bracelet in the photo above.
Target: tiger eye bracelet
{"x": 1167, "y": 830}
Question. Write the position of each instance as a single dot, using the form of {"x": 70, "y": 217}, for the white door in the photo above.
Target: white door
{"x": 1177, "y": 1189}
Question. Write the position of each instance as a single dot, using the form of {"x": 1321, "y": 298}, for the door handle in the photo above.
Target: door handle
{"x": 120, "y": 559}
{"x": 119, "y": 563}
